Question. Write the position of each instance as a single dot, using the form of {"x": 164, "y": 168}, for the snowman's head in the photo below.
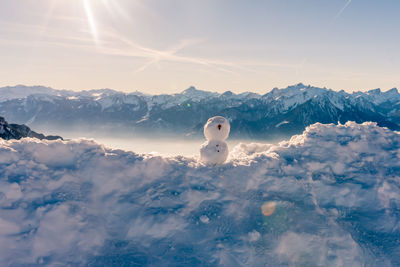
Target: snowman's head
{"x": 217, "y": 128}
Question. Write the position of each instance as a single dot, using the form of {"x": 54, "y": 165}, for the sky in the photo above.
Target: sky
{"x": 165, "y": 46}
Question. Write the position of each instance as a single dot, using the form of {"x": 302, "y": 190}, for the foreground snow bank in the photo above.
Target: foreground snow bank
{"x": 328, "y": 197}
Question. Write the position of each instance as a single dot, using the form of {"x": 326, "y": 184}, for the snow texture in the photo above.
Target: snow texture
{"x": 328, "y": 197}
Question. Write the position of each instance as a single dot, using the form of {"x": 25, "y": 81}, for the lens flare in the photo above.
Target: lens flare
{"x": 268, "y": 208}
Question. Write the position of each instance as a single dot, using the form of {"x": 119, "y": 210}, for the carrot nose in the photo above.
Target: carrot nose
{"x": 219, "y": 126}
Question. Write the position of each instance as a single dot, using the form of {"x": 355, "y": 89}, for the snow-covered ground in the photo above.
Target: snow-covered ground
{"x": 328, "y": 197}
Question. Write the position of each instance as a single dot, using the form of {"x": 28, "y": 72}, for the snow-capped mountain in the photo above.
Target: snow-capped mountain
{"x": 279, "y": 112}
{"x": 16, "y": 131}
{"x": 21, "y": 91}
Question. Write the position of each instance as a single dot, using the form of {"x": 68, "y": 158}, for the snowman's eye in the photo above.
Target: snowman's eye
{"x": 217, "y": 150}
{"x": 219, "y": 126}
{"x": 217, "y": 145}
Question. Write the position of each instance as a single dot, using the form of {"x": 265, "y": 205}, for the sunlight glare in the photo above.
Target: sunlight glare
{"x": 91, "y": 20}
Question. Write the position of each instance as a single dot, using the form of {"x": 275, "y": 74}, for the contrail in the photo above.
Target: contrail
{"x": 341, "y": 10}
{"x": 156, "y": 56}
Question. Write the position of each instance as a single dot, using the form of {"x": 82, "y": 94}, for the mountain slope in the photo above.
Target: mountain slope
{"x": 16, "y": 131}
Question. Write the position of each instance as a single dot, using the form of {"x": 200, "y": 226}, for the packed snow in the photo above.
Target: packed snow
{"x": 328, "y": 197}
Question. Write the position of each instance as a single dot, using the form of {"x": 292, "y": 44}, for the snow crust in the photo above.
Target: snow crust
{"x": 328, "y": 197}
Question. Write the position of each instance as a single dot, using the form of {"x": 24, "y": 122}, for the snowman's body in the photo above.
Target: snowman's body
{"x": 215, "y": 150}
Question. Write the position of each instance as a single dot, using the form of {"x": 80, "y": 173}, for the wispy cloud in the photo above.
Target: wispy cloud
{"x": 112, "y": 42}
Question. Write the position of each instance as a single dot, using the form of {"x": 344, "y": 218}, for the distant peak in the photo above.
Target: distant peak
{"x": 379, "y": 91}
{"x": 227, "y": 93}
{"x": 375, "y": 91}
{"x": 300, "y": 85}
{"x": 191, "y": 89}
{"x": 297, "y": 86}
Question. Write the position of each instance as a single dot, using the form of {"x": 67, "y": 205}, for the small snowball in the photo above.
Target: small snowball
{"x": 254, "y": 236}
{"x": 217, "y": 128}
{"x": 204, "y": 219}
{"x": 213, "y": 151}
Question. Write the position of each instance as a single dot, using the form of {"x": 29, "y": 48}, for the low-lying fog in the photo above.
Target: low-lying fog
{"x": 166, "y": 146}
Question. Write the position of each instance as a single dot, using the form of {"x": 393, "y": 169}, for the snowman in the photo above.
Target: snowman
{"x": 215, "y": 149}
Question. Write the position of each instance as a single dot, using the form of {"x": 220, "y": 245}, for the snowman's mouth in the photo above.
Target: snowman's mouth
{"x": 219, "y": 126}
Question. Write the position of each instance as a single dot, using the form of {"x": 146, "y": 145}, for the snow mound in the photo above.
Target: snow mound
{"x": 328, "y": 197}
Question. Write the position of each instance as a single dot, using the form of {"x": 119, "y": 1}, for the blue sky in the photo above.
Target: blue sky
{"x": 167, "y": 46}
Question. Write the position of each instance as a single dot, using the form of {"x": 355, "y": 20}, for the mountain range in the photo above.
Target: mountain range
{"x": 278, "y": 113}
